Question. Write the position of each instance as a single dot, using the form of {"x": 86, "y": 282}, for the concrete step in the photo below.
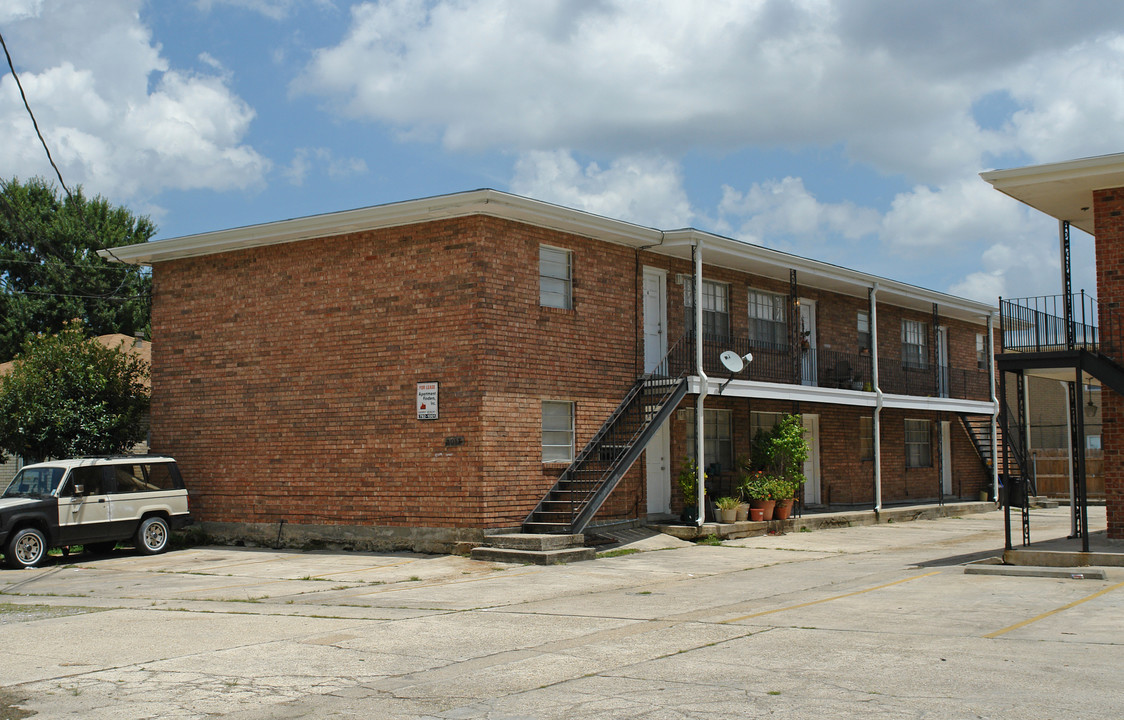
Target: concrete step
{"x": 534, "y": 557}
{"x": 532, "y": 541}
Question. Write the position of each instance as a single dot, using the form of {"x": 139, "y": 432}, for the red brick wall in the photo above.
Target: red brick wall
{"x": 284, "y": 377}
{"x": 1108, "y": 219}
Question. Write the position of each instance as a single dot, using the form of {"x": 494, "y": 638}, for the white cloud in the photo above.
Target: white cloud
{"x": 785, "y": 208}
{"x": 647, "y": 190}
{"x": 117, "y": 117}
{"x": 305, "y": 158}
{"x": 895, "y": 86}
{"x": 272, "y": 9}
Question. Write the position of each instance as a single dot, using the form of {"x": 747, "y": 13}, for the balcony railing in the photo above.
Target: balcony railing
{"x": 1038, "y": 324}
{"x": 826, "y": 368}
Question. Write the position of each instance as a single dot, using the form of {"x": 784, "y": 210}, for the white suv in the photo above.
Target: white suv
{"x": 94, "y": 502}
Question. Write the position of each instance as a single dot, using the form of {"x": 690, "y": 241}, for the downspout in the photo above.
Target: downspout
{"x": 994, "y": 407}
{"x": 876, "y": 429}
{"x": 704, "y": 381}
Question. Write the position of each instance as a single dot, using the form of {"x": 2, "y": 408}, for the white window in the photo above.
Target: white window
{"x": 981, "y": 352}
{"x": 915, "y": 344}
{"x": 863, "y": 324}
{"x": 918, "y": 446}
{"x": 716, "y": 308}
{"x": 554, "y": 278}
{"x": 557, "y": 431}
{"x": 718, "y": 445}
{"x": 768, "y": 321}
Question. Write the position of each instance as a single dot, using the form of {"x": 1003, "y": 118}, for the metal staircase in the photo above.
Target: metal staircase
{"x": 583, "y": 487}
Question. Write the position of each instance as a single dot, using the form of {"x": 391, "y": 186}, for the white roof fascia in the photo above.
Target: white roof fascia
{"x": 736, "y": 253}
{"x": 475, "y": 202}
{"x": 852, "y": 282}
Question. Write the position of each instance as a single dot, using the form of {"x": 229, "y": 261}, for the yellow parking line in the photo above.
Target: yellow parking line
{"x": 837, "y": 597}
{"x": 1036, "y": 618}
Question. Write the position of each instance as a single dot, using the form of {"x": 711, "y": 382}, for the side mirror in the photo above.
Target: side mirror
{"x": 79, "y": 489}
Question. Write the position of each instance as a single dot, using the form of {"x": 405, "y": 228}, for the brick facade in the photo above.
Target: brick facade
{"x": 285, "y": 376}
{"x": 1108, "y": 217}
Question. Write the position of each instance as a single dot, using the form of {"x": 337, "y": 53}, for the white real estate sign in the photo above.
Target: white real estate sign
{"x": 427, "y": 401}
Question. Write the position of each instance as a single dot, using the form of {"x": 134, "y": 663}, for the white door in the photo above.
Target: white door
{"x": 812, "y": 464}
{"x": 658, "y": 471}
{"x": 655, "y": 318}
{"x": 808, "y": 370}
{"x": 946, "y": 457}
{"x": 942, "y": 361}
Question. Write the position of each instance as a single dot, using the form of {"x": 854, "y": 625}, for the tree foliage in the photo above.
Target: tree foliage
{"x": 50, "y": 272}
{"x": 68, "y": 395}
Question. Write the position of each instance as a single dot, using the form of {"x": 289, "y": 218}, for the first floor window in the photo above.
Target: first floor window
{"x": 762, "y": 422}
{"x": 557, "y": 431}
{"x": 768, "y": 321}
{"x": 554, "y": 278}
{"x": 866, "y": 438}
{"x": 715, "y": 308}
{"x": 718, "y": 444}
{"x": 915, "y": 345}
{"x": 918, "y": 445}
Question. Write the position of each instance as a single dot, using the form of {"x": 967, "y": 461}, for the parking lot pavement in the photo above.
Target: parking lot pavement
{"x": 874, "y": 621}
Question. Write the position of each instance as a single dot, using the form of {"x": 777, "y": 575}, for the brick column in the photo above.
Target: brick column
{"x": 1108, "y": 217}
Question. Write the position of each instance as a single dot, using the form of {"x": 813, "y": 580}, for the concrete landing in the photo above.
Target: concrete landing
{"x": 818, "y": 521}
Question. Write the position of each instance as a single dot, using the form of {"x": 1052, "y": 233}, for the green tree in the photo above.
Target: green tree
{"x": 68, "y": 395}
{"x": 50, "y": 272}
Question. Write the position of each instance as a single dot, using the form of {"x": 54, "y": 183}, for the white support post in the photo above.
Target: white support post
{"x": 876, "y": 425}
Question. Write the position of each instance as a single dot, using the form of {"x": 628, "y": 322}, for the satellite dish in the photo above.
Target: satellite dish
{"x": 732, "y": 361}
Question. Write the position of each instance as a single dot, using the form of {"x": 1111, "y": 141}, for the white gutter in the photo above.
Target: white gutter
{"x": 994, "y": 408}
{"x": 704, "y": 386}
{"x": 876, "y": 428}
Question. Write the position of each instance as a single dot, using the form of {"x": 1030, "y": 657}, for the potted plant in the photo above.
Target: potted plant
{"x": 783, "y": 492}
{"x": 783, "y": 454}
{"x": 688, "y": 485}
{"x": 758, "y": 488}
{"x": 727, "y": 509}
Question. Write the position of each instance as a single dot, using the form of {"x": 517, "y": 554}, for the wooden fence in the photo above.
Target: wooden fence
{"x": 1053, "y": 473}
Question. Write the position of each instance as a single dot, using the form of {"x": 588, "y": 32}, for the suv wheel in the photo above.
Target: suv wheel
{"x": 27, "y": 548}
{"x": 152, "y": 536}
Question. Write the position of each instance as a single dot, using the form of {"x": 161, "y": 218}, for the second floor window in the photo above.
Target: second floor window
{"x": 715, "y": 308}
{"x": 863, "y": 324}
{"x": 768, "y": 321}
{"x": 981, "y": 352}
{"x": 915, "y": 345}
{"x": 554, "y": 278}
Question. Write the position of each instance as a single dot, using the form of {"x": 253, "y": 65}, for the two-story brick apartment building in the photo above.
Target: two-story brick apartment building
{"x": 417, "y": 373}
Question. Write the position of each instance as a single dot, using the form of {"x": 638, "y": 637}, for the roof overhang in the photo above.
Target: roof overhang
{"x": 717, "y": 250}
{"x": 1062, "y": 190}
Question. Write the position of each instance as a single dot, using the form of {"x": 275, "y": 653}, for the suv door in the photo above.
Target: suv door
{"x": 84, "y": 508}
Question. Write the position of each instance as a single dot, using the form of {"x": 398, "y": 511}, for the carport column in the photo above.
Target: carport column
{"x": 876, "y": 426}
{"x": 994, "y": 407}
{"x": 700, "y": 424}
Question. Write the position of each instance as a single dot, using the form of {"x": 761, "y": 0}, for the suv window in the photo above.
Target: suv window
{"x": 90, "y": 478}
{"x": 34, "y": 482}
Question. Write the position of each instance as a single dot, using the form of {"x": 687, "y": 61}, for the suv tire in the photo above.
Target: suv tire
{"x": 152, "y": 536}
{"x": 26, "y": 548}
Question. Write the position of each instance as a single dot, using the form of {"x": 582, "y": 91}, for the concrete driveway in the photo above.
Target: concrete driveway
{"x": 877, "y": 621}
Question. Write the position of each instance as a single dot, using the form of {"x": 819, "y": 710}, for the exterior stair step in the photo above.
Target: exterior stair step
{"x": 537, "y": 549}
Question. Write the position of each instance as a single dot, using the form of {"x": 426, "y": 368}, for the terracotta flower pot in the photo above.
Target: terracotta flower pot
{"x": 766, "y": 507}
{"x": 756, "y": 514}
{"x": 783, "y": 509}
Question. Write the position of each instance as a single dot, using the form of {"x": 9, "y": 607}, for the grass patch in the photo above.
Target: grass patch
{"x": 618, "y": 552}
{"x": 710, "y": 539}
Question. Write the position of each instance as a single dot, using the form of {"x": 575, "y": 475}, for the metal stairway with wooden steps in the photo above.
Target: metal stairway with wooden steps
{"x": 583, "y": 487}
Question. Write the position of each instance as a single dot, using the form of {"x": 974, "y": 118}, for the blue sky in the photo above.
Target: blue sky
{"x": 849, "y": 131}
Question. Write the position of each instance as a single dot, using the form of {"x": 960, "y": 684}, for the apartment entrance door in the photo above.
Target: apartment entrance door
{"x": 812, "y": 485}
{"x": 808, "y": 365}
{"x": 655, "y": 318}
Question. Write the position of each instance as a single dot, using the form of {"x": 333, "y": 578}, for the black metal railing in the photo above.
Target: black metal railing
{"x": 1039, "y": 324}
{"x": 826, "y": 368}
